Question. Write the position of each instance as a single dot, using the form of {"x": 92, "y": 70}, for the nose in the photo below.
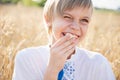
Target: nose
{"x": 75, "y": 26}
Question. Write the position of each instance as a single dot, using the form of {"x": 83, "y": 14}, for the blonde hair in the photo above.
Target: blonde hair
{"x": 53, "y": 7}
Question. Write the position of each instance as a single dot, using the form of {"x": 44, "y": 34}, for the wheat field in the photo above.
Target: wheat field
{"x": 22, "y": 27}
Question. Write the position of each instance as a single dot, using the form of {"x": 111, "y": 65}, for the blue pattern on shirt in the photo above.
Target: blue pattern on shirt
{"x": 60, "y": 75}
{"x": 67, "y": 73}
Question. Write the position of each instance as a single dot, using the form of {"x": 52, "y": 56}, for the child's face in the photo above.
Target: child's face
{"x": 73, "y": 21}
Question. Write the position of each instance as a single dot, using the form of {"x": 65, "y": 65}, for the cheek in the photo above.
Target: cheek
{"x": 57, "y": 29}
{"x": 84, "y": 30}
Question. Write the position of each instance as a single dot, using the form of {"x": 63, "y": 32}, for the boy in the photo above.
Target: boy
{"x": 67, "y": 23}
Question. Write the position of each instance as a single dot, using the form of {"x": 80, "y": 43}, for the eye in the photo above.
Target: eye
{"x": 84, "y": 21}
{"x": 67, "y": 17}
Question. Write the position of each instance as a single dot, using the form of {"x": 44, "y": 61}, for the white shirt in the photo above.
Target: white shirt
{"x": 31, "y": 63}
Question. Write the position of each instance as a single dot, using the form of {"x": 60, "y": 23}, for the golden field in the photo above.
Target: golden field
{"x": 22, "y": 27}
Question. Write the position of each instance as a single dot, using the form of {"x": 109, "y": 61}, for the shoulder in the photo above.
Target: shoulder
{"x": 31, "y": 61}
{"x": 91, "y": 56}
{"x": 95, "y": 62}
{"x": 32, "y": 53}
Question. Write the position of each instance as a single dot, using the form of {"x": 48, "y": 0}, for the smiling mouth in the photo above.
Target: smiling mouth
{"x": 72, "y": 35}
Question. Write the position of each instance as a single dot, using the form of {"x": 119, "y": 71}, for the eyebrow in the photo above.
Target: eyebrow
{"x": 67, "y": 13}
{"x": 86, "y": 17}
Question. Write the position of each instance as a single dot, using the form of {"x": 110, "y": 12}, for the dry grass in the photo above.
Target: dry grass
{"x": 22, "y": 27}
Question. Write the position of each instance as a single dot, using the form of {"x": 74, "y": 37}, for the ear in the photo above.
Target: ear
{"x": 48, "y": 21}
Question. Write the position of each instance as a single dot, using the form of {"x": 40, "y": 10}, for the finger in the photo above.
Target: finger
{"x": 69, "y": 52}
{"x": 66, "y": 44}
{"x": 63, "y": 51}
{"x": 62, "y": 40}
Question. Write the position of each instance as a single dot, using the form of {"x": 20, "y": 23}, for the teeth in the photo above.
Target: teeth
{"x": 72, "y": 35}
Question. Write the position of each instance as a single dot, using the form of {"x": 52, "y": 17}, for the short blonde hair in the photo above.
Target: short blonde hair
{"x": 53, "y": 7}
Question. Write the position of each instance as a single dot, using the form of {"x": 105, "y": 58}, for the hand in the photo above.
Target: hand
{"x": 59, "y": 52}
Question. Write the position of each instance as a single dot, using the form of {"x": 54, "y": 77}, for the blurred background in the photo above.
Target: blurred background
{"x": 21, "y": 26}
